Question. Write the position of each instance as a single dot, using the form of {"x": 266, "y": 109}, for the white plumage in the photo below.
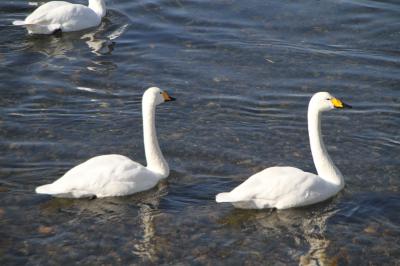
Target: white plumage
{"x": 287, "y": 187}
{"x": 279, "y": 187}
{"x": 64, "y": 16}
{"x": 102, "y": 176}
{"x": 117, "y": 175}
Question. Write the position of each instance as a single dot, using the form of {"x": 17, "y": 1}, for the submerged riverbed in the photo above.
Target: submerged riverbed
{"x": 243, "y": 73}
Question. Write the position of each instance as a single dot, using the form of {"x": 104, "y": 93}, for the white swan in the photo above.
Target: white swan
{"x": 288, "y": 187}
{"x": 117, "y": 175}
{"x": 63, "y": 16}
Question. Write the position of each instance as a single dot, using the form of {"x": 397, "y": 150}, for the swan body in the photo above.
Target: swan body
{"x": 269, "y": 189}
{"x": 102, "y": 176}
{"x": 64, "y": 16}
{"x": 288, "y": 187}
{"x": 113, "y": 174}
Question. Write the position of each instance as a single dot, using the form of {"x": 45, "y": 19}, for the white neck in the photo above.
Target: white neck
{"x": 323, "y": 163}
{"x": 98, "y": 6}
{"x": 155, "y": 160}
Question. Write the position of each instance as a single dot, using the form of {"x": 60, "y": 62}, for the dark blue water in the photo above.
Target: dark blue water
{"x": 243, "y": 72}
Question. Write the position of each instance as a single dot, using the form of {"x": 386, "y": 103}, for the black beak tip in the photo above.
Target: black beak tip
{"x": 172, "y": 98}
{"x": 345, "y": 105}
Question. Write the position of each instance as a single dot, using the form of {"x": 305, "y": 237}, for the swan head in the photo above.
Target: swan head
{"x": 324, "y": 101}
{"x": 157, "y": 96}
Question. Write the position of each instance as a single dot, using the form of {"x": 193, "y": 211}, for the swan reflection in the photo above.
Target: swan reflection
{"x": 315, "y": 234}
{"x": 100, "y": 41}
{"x": 146, "y": 247}
{"x": 103, "y": 45}
{"x": 302, "y": 227}
{"x": 98, "y": 46}
{"x": 131, "y": 218}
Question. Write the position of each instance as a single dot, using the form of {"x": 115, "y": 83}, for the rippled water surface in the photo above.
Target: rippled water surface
{"x": 242, "y": 73}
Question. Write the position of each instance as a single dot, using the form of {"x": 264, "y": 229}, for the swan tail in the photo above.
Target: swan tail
{"x": 38, "y": 28}
{"x": 49, "y": 189}
{"x": 62, "y": 192}
{"x": 19, "y": 22}
{"x": 225, "y": 197}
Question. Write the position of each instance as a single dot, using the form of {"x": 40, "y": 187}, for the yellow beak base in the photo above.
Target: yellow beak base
{"x": 166, "y": 97}
{"x": 339, "y": 104}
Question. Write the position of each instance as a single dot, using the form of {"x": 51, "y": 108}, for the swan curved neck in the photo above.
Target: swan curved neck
{"x": 98, "y": 6}
{"x": 155, "y": 160}
{"x": 326, "y": 169}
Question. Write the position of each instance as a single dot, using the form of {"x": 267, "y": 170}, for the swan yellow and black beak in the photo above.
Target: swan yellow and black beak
{"x": 166, "y": 97}
{"x": 339, "y": 104}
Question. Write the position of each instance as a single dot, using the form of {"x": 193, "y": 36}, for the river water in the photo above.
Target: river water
{"x": 243, "y": 73}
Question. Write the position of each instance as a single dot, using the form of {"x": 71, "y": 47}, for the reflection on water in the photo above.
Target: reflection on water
{"x": 315, "y": 234}
{"x": 101, "y": 46}
{"x": 97, "y": 46}
{"x": 307, "y": 227}
{"x": 145, "y": 249}
{"x": 61, "y": 47}
{"x": 242, "y": 73}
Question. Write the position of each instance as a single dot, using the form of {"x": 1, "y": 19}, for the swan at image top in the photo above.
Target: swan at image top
{"x": 114, "y": 174}
{"x": 288, "y": 187}
{"x": 63, "y": 16}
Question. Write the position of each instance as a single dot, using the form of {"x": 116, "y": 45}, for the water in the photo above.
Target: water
{"x": 243, "y": 72}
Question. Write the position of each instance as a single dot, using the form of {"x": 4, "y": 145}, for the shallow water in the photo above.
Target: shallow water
{"x": 243, "y": 72}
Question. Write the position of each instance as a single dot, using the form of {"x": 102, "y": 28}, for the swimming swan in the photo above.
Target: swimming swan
{"x": 114, "y": 174}
{"x": 63, "y": 16}
{"x": 288, "y": 187}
